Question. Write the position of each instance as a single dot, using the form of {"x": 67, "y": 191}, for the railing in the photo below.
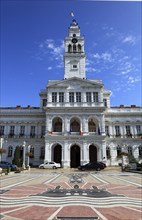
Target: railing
{"x": 75, "y": 104}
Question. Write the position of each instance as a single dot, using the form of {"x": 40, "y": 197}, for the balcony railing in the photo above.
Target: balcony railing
{"x": 75, "y": 104}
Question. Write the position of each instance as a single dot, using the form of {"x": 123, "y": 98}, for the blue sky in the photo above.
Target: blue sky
{"x": 32, "y": 34}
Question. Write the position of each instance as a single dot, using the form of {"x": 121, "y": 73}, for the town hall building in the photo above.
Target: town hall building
{"x": 75, "y": 123}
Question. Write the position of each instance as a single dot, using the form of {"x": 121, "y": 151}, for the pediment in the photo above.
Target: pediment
{"x": 75, "y": 83}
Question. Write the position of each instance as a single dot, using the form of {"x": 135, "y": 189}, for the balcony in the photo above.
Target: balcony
{"x": 74, "y": 104}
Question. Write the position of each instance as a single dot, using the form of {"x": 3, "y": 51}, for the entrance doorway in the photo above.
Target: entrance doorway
{"x": 75, "y": 156}
{"x": 93, "y": 153}
{"x": 57, "y": 153}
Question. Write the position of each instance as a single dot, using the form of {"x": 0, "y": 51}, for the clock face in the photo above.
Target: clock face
{"x": 74, "y": 40}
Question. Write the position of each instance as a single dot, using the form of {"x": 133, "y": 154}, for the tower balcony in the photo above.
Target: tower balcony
{"x": 74, "y": 104}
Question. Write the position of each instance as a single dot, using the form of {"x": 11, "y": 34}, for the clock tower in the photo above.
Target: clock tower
{"x": 74, "y": 57}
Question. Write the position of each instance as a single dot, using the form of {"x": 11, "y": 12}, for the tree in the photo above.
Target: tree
{"x": 17, "y": 160}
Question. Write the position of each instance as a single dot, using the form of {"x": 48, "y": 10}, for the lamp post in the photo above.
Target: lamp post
{"x": 2, "y": 150}
{"x": 28, "y": 156}
{"x": 1, "y": 143}
{"x": 24, "y": 145}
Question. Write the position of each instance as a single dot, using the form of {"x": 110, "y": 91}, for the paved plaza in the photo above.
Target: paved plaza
{"x": 70, "y": 194}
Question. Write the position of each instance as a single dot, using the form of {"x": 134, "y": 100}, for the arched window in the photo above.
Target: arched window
{"x": 79, "y": 48}
{"x": 10, "y": 151}
{"x": 92, "y": 126}
{"x": 57, "y": 124}
{"x": 119, "y": 150}
{"x": 140, "y": 151}
{"x": 130, "y": 153}
{"x": 108, "y": 153}
{"x": 75, "y": 126}
{"x": 32, "y": 152}
{"x": 42, "y": 152}
{"x": 74, "y": 48}
{"x": 69, "y": 48}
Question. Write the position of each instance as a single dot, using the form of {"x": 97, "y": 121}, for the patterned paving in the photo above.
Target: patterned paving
{"x": 48, "y": 195}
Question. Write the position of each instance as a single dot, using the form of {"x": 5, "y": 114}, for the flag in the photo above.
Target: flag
{"x": 81, "y": 133}
{"x": 70, "y": 130}
{"x": 72, "y": 14}
{"x": 99, "y": 132}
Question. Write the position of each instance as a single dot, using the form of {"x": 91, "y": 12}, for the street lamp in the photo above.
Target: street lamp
{"x": 28, "y": 156}
{"x": 24, "y": 145}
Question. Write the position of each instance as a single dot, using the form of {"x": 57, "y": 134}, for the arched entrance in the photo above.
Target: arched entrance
{"x": 75, "y": 156}
{"x": 57, "y": 153}
{"x": 92, "y": 153}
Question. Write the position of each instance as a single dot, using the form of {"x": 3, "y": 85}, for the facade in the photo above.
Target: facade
{"x": 75, "y": 122}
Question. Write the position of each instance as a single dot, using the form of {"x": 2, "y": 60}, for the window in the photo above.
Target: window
{"x": 74, "y": 66}
{"x": 32, "y": 134}
{"x": 71, "y": 97}
{"x": 44, "y": 102}
{"x": 74, "y": 48}
{"x": 128, "y": 131}
{"x": 78, "y": 96}
{"x": 42, "y": 153}
{"x": 69, "y": 48}
{"x": 140, "y": 151}
{"x": 138, "y": 128}
{"x": 12, "y": 128}
{"x": 79, "y": 48}
{"x": 117, "y": 130}
{"x": 42, "y": 131}
{"x": 107, "y": 130}
{"x": 22, "y": 130}
{"x": 118, "y": 151}
{"x": 61, "y": 96}
{"x": 32, "y": 152}
{"x": 95, "y": 97}
{"x": 54, "y": 96}
{"x": 88, "y": 96}
{"x": 10, "y": 151}
{"x": 2, "y": 130}
{"x": 92, "y": 126}
{"x": 130, "y": 153}
{"x": 108, "y": 152}
{"x": 105, "y": 102}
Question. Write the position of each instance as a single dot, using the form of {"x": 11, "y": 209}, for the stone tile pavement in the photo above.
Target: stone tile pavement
{"x": 49, "y": 194}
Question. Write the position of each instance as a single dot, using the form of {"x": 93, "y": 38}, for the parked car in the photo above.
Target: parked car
{"x": 92, "y": 166}
{"x": 5, "y": 165}
{"x": 51, "y": 164}
{"x": 104, "y": 165}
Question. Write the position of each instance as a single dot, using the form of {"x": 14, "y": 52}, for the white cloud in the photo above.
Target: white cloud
{"x": 51, "y": 50}
{"x": 106, "y": 57}
{"x": 129, "y": 40}
{"x": 50, "y": 68}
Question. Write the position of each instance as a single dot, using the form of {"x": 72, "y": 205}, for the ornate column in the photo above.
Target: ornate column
{"x": 85, "y": 158}
{"x": 47, "y": 151}
{"x": 102, "y": 124}
{"x": 66, "y": 153}
{"x": 103, "y": 151}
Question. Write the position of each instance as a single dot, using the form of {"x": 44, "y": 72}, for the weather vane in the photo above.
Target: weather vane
{"x": 72, "y": 14}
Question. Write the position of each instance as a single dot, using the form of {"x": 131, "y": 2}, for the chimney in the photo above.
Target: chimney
{"x": 18, "y": 106}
